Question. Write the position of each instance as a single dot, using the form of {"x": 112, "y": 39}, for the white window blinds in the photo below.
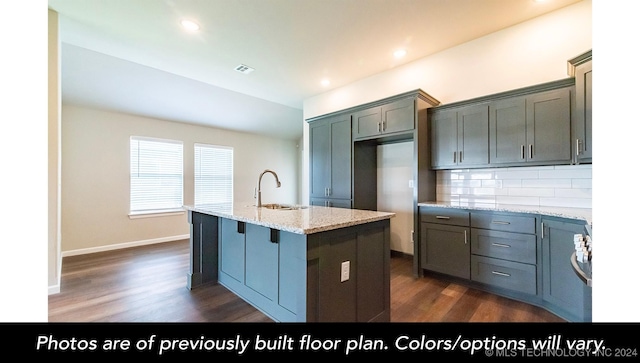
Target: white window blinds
{"x": 213, "y": 175}
{"x": 156, "y": 175}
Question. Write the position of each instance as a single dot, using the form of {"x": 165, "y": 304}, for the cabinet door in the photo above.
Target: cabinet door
{"x": 336, "y": 203}
{"x": 561, "y": 287}
{"x": 445, "y": 249}
{"x": 444, "y": 139}
{"x": 507, "y": 131}
{"x": 367, "y": 122}
{"x": 340, "y": 186}
{"x": 398, "y": 116}
{"x": 473, "y": 136}
{"x": 549, "y": 126}
{"x": 261, "y": 269}
{"x": 232, "y": 244}
{"x": 584, "y": 141}
{"x": 319, "y": 158}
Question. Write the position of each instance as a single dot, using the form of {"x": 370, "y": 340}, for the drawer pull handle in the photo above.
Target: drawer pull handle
{"x": 500, "y": 222}
{"x": 500, "y": 273}
{"x": 500, "y": 245}
{"x": 442, "y": 217}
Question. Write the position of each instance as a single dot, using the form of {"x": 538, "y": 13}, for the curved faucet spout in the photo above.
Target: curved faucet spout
{"x": 259, "y": 203}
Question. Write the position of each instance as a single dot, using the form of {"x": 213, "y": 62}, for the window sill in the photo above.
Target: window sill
{"x": 153, "y": 214}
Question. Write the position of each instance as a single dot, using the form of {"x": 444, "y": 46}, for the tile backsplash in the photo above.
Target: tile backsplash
{"x": 553, "y": 186}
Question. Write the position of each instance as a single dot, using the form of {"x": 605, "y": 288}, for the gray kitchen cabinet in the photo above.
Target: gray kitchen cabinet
{"x": 523, "y": 127}
{"x": 581, "y": 68}
{"x": 564, "y": 292}
{"x": 504, "y": 251}
{"x": 460, "y": 137}
{"x": 444, "y": 241}
{"x": 330, "y": 160}
{"x": 232, "y": 248}
{"x": 394, "y": 117}
{"x": 261, "y": 261}
{"x": 336, "y": 203}
{"x": 521, "y": 256}
{"x": 531, "y": 129}
{"x": 508, "y": 130}
{"x": 549, "y": 126}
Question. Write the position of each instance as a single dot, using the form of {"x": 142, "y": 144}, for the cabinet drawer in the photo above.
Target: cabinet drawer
{"x": 504, "y": 222}
{"x": 504, "y": 245}
{"x": 457, "y": 217}
{"x": 504, "y": 274}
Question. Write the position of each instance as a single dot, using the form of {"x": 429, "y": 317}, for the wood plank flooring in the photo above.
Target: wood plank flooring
{"x": 148, "y": 284}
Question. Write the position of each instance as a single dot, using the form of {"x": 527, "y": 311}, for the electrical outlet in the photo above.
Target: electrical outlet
{"x": 411, "y": 183}
{"x": 344, "y": 271}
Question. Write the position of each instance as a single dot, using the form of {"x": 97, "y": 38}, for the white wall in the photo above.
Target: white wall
{"x": 95, "y": 176}
{"x": 53, "y": 149}
{"x": 526, "y": 54}
{"x": 394, "y": 171}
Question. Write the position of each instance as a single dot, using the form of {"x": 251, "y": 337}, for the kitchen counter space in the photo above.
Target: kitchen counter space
{"x": 307, "y": 220}
{"x": 572, "y": 213}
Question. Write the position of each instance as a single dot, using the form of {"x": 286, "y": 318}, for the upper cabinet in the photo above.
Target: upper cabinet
{"x": 528, "y": 126}
{"x": 330, "y": 161}
{"x": 580, "y": 68}
{"x": 460, "y": 136}
{"x": 394, "y": 117}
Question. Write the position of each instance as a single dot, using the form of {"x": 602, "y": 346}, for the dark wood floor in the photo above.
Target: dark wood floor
{"x": 148, "y": 284}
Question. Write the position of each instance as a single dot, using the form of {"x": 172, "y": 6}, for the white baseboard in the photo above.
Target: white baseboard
{"x": 55, "y": 289}
{"x": 118, "y": 246}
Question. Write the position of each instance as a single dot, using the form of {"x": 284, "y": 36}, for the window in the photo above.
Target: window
{"x": 156, "y": 175}
{"x": 213, "y": 176}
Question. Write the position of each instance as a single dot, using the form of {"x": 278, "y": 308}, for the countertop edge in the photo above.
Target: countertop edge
{"x": 561, "y": 212}
{"x": 289, "y": 228}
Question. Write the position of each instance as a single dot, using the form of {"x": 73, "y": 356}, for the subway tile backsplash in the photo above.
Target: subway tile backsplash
{"x": 553, "y": 186}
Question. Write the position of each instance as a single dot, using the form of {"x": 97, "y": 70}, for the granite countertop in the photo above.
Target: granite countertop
{"x": 583, "y": 214}
{"x": 306, "y": 220}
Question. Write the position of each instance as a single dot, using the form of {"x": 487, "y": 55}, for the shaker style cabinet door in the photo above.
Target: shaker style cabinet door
{"x": 549, "y": 126}
{"x": 330, "y": 160}
{"x": 507, "y": 131}
{"x": 584, "y": 140}
{"x": 460, "y": 137}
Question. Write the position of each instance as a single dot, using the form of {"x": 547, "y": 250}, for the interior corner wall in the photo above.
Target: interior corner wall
{"x": 53, "y": 148}
{"x": 95, "y": 175}
{"x": 529, "y": 53}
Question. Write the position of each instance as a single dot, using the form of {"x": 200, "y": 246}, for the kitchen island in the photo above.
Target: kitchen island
{"x": 295, "y": 263}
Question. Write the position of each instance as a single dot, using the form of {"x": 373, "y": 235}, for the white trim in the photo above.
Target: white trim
{"x": 55, "y": 289}
{"x": 152, "y": 214}
{"x": 84, "y": 251}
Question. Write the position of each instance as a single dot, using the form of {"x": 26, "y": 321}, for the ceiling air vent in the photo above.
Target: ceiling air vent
{"x": 244, "y": 69}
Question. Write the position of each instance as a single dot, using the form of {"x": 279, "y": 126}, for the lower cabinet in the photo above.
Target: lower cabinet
{"x": 563, "y": 290}
{"x": 265, "y": 266}
{"x": 444, "y": 241}
{"x": 445, "y": 249}
{"x": 517, "y": 255}
{"x": 504, "y": 251}
{"x": 339, "y": 275}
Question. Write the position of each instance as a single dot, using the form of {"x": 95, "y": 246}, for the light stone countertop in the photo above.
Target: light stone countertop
{"x": 308, "y": 220}
{"x": 584, "y": 214}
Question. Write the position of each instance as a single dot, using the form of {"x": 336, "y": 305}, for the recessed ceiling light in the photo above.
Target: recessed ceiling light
{"x": 399, "y": 53}
{"x": 325, "y": 82}
{"x": 190, "y": 25}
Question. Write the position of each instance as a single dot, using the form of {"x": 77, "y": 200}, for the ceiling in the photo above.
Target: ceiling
{"x": 133, "y": 56}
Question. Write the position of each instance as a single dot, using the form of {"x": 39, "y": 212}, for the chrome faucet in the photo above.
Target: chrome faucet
{"x": 259, "y": 189}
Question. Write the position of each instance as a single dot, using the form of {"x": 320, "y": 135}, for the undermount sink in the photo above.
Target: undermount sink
{"x": 283, "y": 206}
